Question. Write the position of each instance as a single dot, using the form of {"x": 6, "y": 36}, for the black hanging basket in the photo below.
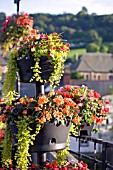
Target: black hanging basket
{"x": 86, "y": 129}
{"x": 51, "y": 138}
{"x": 25, "y": 65}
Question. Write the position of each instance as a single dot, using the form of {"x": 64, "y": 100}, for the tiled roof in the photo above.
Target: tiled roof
{"x": 96, "y": 62}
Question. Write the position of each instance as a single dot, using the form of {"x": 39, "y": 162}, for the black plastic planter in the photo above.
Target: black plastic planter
{"x": 25, "y": 65}
{"x": 51, "y": 138}
{"x": 86, "y": 130}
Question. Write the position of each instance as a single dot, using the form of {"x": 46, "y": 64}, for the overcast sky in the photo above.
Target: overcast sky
{"x": 99, "y": 7}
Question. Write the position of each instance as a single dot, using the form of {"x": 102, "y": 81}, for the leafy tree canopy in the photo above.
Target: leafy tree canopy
{"x": 79, "y": 28}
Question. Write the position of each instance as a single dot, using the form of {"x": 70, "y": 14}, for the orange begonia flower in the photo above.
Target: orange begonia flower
{"x": 58, "y": 100}
{"x": 57, "y": 114}
{"x": 45, "y": 112}
{"x": 76, "y": 120}
{"x": 66, "y": 110}
{"x": 48, "y": 116}
{"x": 37, "y": 108}
{"x": 76, "y": 91}
{"x": 24, "y": 112}
{"x": 41, "y": 120}
{"x": 42, "y": 100}
{"x": 22, "y": 100}
{"x": 94, "y": 118}
{"x": 69, "y": 101}
{"x": 33, "y": 32}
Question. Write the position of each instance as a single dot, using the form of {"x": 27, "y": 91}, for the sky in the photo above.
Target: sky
{"x": 100, "y": 7}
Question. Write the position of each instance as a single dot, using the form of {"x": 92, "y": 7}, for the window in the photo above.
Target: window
{"x": 99, "y": 77}
{"x": 94, "y": 77}
{"x": 87, "y": 77}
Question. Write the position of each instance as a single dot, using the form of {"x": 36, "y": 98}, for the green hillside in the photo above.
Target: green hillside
{"x": 79, "y": 30}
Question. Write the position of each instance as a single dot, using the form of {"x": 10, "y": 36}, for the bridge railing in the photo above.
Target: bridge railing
{"x": 106, "y": 151}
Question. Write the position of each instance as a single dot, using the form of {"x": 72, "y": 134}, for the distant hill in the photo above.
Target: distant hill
{"x": 79, "y": 29}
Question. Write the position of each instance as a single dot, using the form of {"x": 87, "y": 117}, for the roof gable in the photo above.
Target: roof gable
{"x": 96, "y": 62}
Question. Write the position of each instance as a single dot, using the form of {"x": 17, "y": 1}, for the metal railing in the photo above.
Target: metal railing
{"x": 106, "y": 150}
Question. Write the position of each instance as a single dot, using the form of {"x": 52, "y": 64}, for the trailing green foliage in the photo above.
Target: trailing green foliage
{"x": 57, "y": 65}
{"x": 10, "y": 78}
{"x": 61, "y": 155}
{"x": 7, "y": 148}
{"x": 25, "y": 139}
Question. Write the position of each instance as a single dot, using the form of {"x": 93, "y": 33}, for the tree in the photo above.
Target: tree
{"x": 103, "y": 48}
{"x": 83, "y": 12}
{"x": 94, "y": 37}
{"x": 76, "y": 75}
{"x": 92, "y": 47}
{"x": 110, "y": 48}
{"x": 2, "y": 18}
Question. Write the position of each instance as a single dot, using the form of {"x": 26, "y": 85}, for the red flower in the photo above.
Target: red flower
{"x": 64, "y": 168}
{"x": 33, "y": 166}
{"x": 68, "y": 87}
{"x": 68, "y": 45}
{"x": 107, "y": 102}
{"x": 0, "y": 139}
{"x": 106, "y": 109}
{"x": 97, "y": 95}
{"x": 55, "y": 165}
{"x": 49, "y": 165}
{"x": 84, "y": 164}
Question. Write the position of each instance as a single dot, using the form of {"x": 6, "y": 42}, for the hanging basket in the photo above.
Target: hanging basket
{"x": 51, "y": 138}
{"x": 86, "y": 129}
{"x": 25, "y": 65}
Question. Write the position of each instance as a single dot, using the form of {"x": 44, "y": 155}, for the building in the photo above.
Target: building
{"x": 95, "y": 66}
{"x": 97, "y": 70}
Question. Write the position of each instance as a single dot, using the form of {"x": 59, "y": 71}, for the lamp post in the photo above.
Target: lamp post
{"x": 18, "y": 82}
{"x": 17, "y": 2}
{"x": 37, "y": 157}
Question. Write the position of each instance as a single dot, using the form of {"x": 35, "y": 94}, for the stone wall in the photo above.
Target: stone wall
{"x": 100, "y": 86}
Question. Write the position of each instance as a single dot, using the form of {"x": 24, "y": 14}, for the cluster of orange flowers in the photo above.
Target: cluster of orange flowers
{"x": 24, "y": 19}
{"x": 70, "y": 103}
{"x": 55, "y": 107}
{"x": 18, "y": 33}
{"x": 52, "y": 107}
{"x": 15, "y": 28}
{"x": 21, "y": 20}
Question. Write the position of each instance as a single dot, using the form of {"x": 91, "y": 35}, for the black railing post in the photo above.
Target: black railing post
{"x": 104, "y": 146}
{"x": 79, "y": 149}
{"x": 41, "y": 156}
{"x": 95, "y": 155}
{"x": 105, "y": 161}
{"x": 17, "y": 84}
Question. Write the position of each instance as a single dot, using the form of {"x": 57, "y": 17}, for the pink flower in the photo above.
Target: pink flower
{"x": 42, "y": 36}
